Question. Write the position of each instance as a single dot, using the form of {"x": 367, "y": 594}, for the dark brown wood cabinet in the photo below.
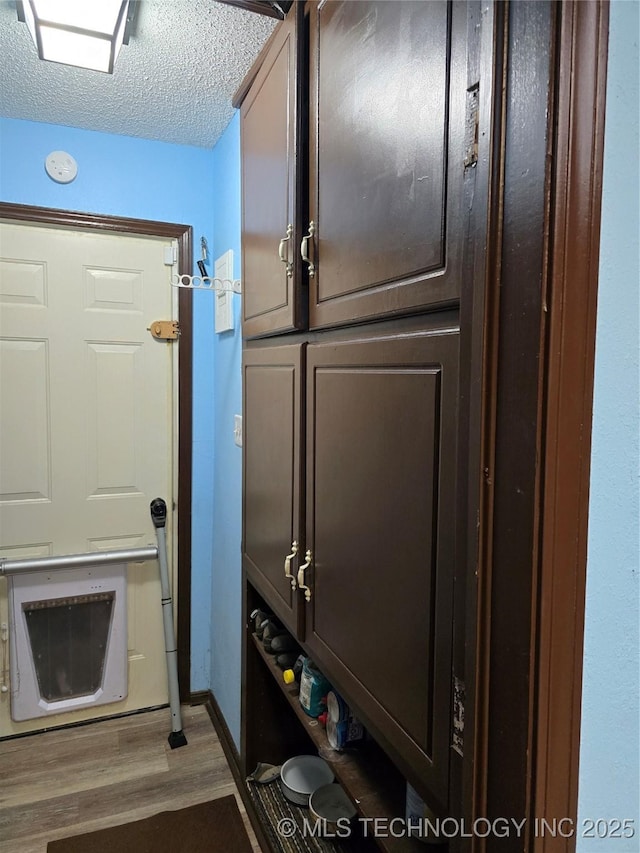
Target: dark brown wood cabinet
{"x": 351, "y": 423}
{"x": 386, "y": 151}
{"x": 273, "y": 475}
{"x": 350, "y": 456}
{"x": 401, "y": 427}
{"x": 376, "y": 231}
{"x": 378, "y": 533}
{"x": 380, "y": 521}
{"x": 272, "y": 300}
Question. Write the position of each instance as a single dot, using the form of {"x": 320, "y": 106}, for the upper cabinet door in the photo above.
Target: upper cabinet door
{"x": 386, "y": 140}
{"x": 271, "y": 300}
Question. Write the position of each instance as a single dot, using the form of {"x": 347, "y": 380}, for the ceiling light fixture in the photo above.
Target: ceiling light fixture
{"x": 84, "y": 33}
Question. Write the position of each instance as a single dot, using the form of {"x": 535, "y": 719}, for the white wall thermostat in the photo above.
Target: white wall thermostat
{"x": 61, "y": 167}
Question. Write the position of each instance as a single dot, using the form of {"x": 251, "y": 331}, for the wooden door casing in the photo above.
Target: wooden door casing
{"x": 380, "y": 521}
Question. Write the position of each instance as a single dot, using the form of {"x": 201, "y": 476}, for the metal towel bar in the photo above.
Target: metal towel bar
{"x": 74, "y": 561}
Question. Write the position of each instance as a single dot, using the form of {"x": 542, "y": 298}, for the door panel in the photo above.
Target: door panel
{"x": 386, "y": 171}
{"x": 86, "y": 419}
{"x": 26, "y": 473}
{"x": 380, "y": 524}
{"x": 272, "y": 472}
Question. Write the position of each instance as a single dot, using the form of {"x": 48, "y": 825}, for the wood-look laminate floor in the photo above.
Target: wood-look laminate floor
{"x": 67, "y": 782}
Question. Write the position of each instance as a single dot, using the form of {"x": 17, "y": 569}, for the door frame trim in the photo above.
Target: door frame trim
{"x": 570, "y": 359}
{"x": 184, "y": 236}
{"x": 528, "y": 649}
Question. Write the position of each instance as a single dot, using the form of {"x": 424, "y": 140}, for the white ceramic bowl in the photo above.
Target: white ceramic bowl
{"x": 330, "y": 804}
{"x": 301, "y": 775}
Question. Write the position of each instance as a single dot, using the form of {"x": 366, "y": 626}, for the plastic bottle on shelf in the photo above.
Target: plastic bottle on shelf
{"x": 313, "y": 688}
{"x": 291, "y": 675}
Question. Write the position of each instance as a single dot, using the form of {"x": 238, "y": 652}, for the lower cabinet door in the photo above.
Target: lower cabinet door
{"x": 272, "y": 475}
{"x": 380, "y": 522}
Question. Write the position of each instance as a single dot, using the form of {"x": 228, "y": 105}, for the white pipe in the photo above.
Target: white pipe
{"x": 74, "y": 561}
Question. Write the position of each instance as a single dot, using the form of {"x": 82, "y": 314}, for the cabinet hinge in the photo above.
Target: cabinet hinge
{"x": 457, "y": 741}
{"x": 471, "y": 128}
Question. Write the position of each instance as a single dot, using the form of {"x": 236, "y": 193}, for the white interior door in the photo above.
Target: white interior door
{"x": 86, "y": 421}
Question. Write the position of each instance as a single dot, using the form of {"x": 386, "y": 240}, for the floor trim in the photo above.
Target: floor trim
{"x": 206, "y": 697}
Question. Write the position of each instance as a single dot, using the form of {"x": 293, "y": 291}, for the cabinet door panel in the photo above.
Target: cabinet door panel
{"x": 270, "y": 302}
{"x": 386, "y": 142}
{"x": 380, "y": 524}
{"x": 271, "y": 473}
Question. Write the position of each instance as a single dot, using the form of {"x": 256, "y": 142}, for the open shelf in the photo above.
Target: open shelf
{"x": 366, "y": 773}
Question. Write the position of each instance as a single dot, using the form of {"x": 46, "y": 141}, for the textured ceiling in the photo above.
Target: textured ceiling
{"x": 173, "y": 81}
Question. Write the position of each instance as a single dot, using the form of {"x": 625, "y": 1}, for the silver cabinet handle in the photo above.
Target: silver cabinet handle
{"x": 301, "y": 571}
{"x": 282, "y": 251}
{"x": 287, "y": 564}
{"x": 304, "y": 249}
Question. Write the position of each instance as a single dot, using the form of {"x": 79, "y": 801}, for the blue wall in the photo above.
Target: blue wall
{"x": 610, "y": 736}
{"x": 126, "y": 176}
{"x": 226, "y": 614}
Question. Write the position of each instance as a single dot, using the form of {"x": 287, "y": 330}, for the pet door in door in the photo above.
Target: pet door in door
{"x": 68, "y": 640}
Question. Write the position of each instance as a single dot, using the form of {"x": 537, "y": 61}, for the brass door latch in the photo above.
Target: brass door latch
{"x": 164, "y": 330}
{"x": 287, "y": 564}
{"x": 301, "y": 584}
